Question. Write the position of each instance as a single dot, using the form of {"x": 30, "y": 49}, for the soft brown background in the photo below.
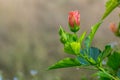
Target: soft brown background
{"x": 29, "y": 37}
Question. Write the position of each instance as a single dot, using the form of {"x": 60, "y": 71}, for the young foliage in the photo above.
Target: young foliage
{"x": 89, "y": 56}
{"x": 83, "y": 61}
{"x": 114, "y": 61}
{"x": 66, "y": 37}
{"x": 65, "y": 63}
{"x": 81, "y": 37}
{"x": 106, "y": 52}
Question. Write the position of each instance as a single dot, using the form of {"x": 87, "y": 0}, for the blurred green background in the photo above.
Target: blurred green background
{"x": 29, "y": 40}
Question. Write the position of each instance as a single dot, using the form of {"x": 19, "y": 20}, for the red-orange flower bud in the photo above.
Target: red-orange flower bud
{"x": 74, "y": 21}
{"x": 113, "y": 27}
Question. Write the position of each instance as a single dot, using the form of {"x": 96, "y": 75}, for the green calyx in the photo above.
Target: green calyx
{"x": 74, "y": 28}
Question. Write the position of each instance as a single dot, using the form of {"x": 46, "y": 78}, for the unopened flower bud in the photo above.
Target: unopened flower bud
{"x": 74, "y": 21}
{"x": 113, "y": 27}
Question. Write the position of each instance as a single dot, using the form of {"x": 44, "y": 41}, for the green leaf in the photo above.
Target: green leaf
{"x": 83, "y": 61}
{"x": 114, "y": 60}
{"x": 82, "y": 37}
{"x": 75, "y": 47}
{"x": 63, "y": 35}
{"x": 94, "y": 53}
{"x": 65, "y": 63}
{"x": 102, "y": 76}
{"x": 90, "y": 37}
{"x": 110, "y": 6}
{"x": 66, "y": 37}
{"x": 106, "y": 52}
{"x": 72, "y": 48}
{"x": 68, "y": 49}
{"x": 89, "y": 55}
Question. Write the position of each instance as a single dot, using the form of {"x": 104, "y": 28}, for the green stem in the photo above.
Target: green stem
{"x": 111, "y": 76}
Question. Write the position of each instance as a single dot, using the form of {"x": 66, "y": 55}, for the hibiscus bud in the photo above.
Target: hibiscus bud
{"x": 74, "y": 21}
{"x": 113, "y": 27}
